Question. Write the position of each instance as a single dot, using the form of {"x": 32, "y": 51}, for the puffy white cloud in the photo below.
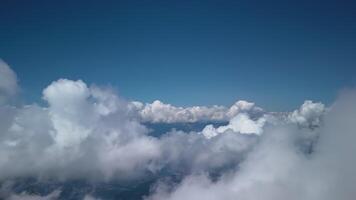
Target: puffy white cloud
{"x": 263, "y": 175}
{"x": 167, "y": 113}
{"x": 70, "y": 112}
{"x": 277, "y": 169}
{"x": 243, "y": 107}
{"x": 8, "y": 83}
{"x": 241, "y": 123}
{"x": 90, "y": 132}
{"x": 194, "y": 153}
{"x": 308, "y": 115}
{"x": 80, "y": 134}
{"x": 160, "y": 112}
{"x": 87, "y": 132}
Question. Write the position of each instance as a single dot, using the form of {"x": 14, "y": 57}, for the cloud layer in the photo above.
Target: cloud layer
{"x": 159, "y": 112}
{"x": 88, "y": 132}
{"x": 277, "y": 169}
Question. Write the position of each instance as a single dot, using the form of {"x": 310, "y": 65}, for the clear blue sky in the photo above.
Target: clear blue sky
{"x": 275, "y": 53}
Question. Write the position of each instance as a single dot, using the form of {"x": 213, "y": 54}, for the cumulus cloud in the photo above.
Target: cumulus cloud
{"x": 8, "y": 83}
{"x": 74, "y": 136}
{"x": 241, "y": 123}
{"x": 308, "y": 115}
{"x": 276, "y": 169}
{"x": 88, "y": 132}
{"x": 159, "y": 112}
{"x": 187, "y": 153}
{"x": 91, "y": 132}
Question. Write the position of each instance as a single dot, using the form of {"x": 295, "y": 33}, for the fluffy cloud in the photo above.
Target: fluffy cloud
{"x": 241, "y": 123}
{"x": 309, "y": 114}
{"x": 74, "y": 136}
{"x": 187, "y": 153}
{"x": 159, "y": 112}
{"x": 88, "y": 132}
{"x": 277, "y": 169}
{"x": 8, "y": 83}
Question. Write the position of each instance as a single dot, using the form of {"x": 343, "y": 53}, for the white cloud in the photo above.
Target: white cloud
{"x": 70, "y": 112}
{"x": 243, "y": 107}
{"x": 308, "y": 115}
{"x": 276, "y": 169}
{"x": 167, "y": 113}
{"x": 194, "y": 153}
{"x": 87, "y": 132}
{"x": 90, "y": 132}
{"x": 80, "y": 134}
{"x": 241, "y": 123}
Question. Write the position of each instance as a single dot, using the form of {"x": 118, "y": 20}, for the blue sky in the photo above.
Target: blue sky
{"x": 274, "y": 53}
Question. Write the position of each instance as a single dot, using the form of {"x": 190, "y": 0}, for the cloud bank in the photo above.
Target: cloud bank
{"x": 159, "y": 112}
{"x": 277, "y": 169}
{"x": 88, "y": 132}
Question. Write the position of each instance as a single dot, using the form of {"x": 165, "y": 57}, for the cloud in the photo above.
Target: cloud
{"x": 80, "y": 134}
{"x": 187, "y": 153}
{"x": 90, "y": 133}
{"x": 159, "y": 112}
{"x": 277, "y": 169}
{"x": 241, "y": 123}
{"x": 308, "y": 115}
{"x": 8, "y": 83}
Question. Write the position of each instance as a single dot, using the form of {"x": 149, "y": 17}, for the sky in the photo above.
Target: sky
{"x": 273, "y": 53}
